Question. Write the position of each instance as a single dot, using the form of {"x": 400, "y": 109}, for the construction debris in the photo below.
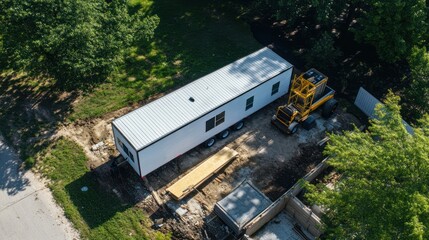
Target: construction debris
{"x": 97, "y": 146}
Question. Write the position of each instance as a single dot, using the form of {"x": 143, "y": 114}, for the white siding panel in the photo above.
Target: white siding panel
{"x": 366, "y": 102}
{"x": 161, "y": 117}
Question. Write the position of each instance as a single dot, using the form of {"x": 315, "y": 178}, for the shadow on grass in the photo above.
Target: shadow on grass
{"x": 95, "y": 205}
{"x": 20, "y": 91}
{"x": 106, "y": 195}
{"x": 30, "y": 111}
{"x": 192, "y": 39}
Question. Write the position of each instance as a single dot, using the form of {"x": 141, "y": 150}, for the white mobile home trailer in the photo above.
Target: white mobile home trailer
{"x": 158, "y": 132}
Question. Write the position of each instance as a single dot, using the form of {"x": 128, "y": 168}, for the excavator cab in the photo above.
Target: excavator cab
{"x": 284, "y": 118}
{"x": 286, "y": 114}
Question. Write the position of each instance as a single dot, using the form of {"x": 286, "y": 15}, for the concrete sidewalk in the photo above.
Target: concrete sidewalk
{"x": 27, "y": 209}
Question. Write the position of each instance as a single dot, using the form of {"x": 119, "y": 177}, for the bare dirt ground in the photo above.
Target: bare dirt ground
{"x": 270, "y": 159}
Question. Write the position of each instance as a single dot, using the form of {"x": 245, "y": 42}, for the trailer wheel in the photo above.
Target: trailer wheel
{"x": 210, "y": 142}
{"x": 239, "y": 125}
{"x": 329, "y": 108}
{"x": 224, "y": 134}
{"x": 293, "y": 127}
{"x": 309, "y": 123}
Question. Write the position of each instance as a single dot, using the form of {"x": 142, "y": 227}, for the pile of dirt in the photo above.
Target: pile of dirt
{"x": 328, "y": 176}
{"x": 309, "y": 155}
{"x": 168, "y": 222}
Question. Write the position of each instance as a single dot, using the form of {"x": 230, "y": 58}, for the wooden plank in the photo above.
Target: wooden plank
{"x": 155, "y": 195}
{"x": 202, "y": 172}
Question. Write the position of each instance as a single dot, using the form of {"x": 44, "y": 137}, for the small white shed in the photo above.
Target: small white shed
{"x": 158, "y": 132}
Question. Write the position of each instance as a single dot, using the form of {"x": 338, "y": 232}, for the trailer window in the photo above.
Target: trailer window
{"x": 249, "y": 103}
{"x": 220, "y": 118}
{"x": 127, "y": 152}
{"x": 275, "y": 88}
{"x": 215, "y": 121}
{"x": 210, "y": 124}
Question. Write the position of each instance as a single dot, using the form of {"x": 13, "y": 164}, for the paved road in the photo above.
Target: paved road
{"x": 27, "y": 209}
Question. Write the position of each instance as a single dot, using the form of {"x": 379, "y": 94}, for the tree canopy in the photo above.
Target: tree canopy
{"x": 417, "y": 94}
{"x": 393, "y": 27}
{"x": 383, "y": 191}
{"x": 323, "y": 11}
{"x": 70, "y": 40}
{"x": 323, "y": 54}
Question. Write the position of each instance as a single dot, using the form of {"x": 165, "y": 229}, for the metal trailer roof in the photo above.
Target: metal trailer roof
{"x": 149, "y": 123}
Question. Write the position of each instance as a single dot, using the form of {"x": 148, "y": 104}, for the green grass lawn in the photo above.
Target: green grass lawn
{"x": 193, "y": 39}
{"x": 96, "y": 213}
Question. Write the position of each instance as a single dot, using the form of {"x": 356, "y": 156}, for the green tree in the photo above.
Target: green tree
{"x": 393, "y": 27}
{"x": 383, "y": 192}
{"x": 70, "y": 40}
{"x": 323, "y": 11}
{"x": 322, "y": 54}
{"x": 417, "y": 94}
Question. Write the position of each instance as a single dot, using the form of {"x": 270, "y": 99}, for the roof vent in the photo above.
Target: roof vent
{"x": 191, "y": 99}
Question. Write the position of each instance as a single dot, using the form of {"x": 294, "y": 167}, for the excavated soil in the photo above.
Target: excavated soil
{"x": 286, "y": 176}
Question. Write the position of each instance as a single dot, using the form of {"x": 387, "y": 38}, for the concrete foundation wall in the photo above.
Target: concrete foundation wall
{"x": 310, "y": 221}
{"x": 304, "y": 216}
{"x": 266, "y": 216}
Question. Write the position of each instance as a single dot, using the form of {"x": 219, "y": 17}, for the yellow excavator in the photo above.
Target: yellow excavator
{"x": 309, "y": 91}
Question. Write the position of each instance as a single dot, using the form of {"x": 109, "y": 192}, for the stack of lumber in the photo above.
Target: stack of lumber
{"x": 201, "y": 173}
